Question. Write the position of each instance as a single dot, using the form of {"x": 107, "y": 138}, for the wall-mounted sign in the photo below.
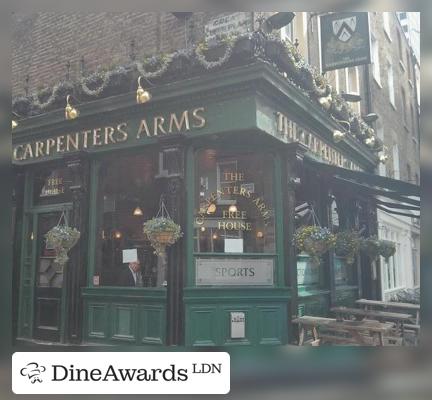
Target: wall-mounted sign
{"x": 292, "y": 132}
{"x": 114, "y": 134}
{"x": 238, "y": 322}
{"x": 229, "y": 272}
{"x": 345, "y": 40}
{"x": 235, "y": 23}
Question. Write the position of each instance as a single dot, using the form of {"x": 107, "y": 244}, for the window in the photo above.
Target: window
{"x": 399, "y": 45}
{"x": 392, "y": 277}
{"x": 390, "y": 82}
{"x": 234, "y": 203}
{"x": 51, "y": 186}
{"x": 353, "y": 85}
{"x": 404, "y": 106}
{"x": 296, "y": 32}
{"x": 386, "y": 24}
{"x": 129, "y": 195}
{"x": 375, "y": 60}
{"x": 396, "y": 168}
{"x": 380, "y": 133}
{"x": 408, "y": 64}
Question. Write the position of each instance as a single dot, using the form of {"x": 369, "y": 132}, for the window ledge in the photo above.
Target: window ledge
{"x": 377, "y": 82}
{"x": 401, "y": 64}
{"x": 387, "y": 34}
{"x": 393, "y": 105}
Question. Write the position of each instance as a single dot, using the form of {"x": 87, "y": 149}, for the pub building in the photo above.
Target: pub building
{"x": 241, "y": 149}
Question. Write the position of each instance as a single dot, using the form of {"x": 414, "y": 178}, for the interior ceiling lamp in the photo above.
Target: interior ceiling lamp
{"x": 338, "y": 136}
{"x": 232, "y": 208}
{"x": 138, "y": 212}
{"x": 70, "y": 112}
{"x": 142, "y": 96}
{"x": 278, "y": 20}
{"x": 351, "y": 97}
{"x": 371, "y": 117}
{"x": 14, "y": 124}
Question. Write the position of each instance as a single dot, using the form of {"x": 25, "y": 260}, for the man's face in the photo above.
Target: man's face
{"x": 135, "y": 266}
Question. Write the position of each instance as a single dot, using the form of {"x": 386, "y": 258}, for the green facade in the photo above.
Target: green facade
{"x": 239, "y": 103}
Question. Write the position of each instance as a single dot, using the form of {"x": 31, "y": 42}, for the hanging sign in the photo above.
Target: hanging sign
{"x": 345, "y": 40}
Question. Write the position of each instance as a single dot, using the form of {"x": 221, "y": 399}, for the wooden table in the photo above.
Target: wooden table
{"x": 375, "y": 329}
{"x": 392, "y": 305}
{"x": 398, "y": 318}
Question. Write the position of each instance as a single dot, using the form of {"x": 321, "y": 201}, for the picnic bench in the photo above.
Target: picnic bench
{"x": 408, "y": 307}
{"x": 398, "y": 319}
{"x": 412, "y": 326}
{"x": 362, "y": 333}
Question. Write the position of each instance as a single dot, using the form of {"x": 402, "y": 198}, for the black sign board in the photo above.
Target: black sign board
{"x": 345, "y": 40}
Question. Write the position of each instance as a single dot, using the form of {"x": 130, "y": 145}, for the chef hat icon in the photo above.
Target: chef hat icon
{"x": 32, "y": 371}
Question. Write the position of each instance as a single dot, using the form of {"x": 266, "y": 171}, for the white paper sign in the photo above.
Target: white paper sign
{"x": 237, "y": 325}
{"x": 233, "y": 246}
{"x": 130, "y": 255}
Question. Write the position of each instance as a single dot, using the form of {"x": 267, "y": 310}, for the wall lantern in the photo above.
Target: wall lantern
{"x": 142, "y": 96}
{"x": 338, "y": 136}
{"x": 70, "y": 112}
{"x": 351, "y": 97}
{"x": 371, "y": 117}
{"x": 278, "y": 20}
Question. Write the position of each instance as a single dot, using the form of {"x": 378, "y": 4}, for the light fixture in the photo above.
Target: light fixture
{"x": 370, "y": 141}
{"x": 338, "y": 136}
{"x": 215, "y": 236}
{"x": 14, "y": 124}
{"x": 203, "y": 229}
{"x": 211, "y": 209}
{"x": 371, "y": 117}
{"x": 70, "y": 112}
{"x": 325, "y": 102}
{"x": 259, "y": 234}
{"x": 232, "y": 208}
{"x": 279, "y": 20}
{"x": 351, "y": 97}
{"x": 117, "y": 234}
{"x": 383, "y": 157}
{"x": 142, "y": 96}
{"x": 138, "y": 212}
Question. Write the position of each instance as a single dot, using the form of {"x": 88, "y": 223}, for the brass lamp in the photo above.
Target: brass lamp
{"x": 70, "y": 112}
{"x": 338, "y": 136}
{"x": 142, "y": 96}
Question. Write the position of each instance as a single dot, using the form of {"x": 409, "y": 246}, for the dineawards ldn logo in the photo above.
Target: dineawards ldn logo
{"x": 121, "y": 373}
{"x": 33, "y": 371}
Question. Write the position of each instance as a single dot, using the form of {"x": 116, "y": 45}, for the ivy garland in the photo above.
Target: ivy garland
{"x": 302, "y": 75}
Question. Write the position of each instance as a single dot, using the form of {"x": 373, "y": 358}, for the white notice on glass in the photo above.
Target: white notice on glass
{"x": 233, "y": 245}
{"x": 130, "y": 255}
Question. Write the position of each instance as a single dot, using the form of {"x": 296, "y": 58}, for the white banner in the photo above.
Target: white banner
{"x": 121, "y": 373}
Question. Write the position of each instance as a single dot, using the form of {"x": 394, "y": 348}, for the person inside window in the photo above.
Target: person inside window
{"x": 131, "y": 275}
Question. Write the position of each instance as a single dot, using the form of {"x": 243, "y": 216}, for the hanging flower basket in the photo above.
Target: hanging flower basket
{"x": 162, "y": 232}
{"x": 314, "y": 241}
{"x": 347, "y": 245}
{"x": 387, "y": 249}
{"x": 371, "y": 247}
{"x": 62, "y": 238}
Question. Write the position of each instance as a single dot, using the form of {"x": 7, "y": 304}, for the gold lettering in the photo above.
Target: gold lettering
{"x": 28, "y": 150}
{"x": 120, "y": 129}
{"x": 39, "y": 149}
{"x": 158, "y": 124}
{"x": 109, "y": 130}
{"x": 183, "y": 120}
{"x": 15, "y": 152}
{"x": 97, "y": 137}
{"x": 60, "y": 144}
{"x": 143, "y": 127}
{"x": 70, "y": 142}
{"x": 85, "y": 142}
{"x": 201, "y": 121}
{"x": 50, "y": 143}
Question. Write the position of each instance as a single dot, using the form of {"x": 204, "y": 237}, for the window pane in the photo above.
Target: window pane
{"x": 52, "y": 186}
{"x": 234, "y": 203}
{"x": 129, "y": 196}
